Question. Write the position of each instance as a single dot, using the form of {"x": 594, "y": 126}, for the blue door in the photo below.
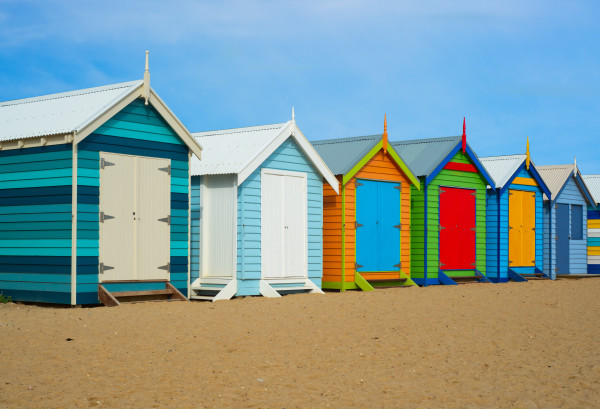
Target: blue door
{"x": 562, "y": 239}
{"x": 377, "y": 225}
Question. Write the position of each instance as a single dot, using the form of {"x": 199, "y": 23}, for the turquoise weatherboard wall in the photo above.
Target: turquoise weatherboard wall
{"x": 497, "y": 229}
{"x": 288, "y": 156}
{"x": 35, "y": 251}
{"x": 570, "y": 195}
{"x": 35, "y": 224}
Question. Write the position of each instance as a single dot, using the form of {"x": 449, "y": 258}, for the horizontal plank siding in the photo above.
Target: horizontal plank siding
{"x": 288, "y": 156}
{"x": 35, "y": 224}
{"x": 593, "y": 240}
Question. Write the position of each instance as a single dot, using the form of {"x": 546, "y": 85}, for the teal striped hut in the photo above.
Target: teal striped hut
{"x": 94, "y": 196}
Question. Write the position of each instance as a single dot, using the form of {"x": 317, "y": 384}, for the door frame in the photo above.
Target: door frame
{"x": 100, "y": 230}
{"x": 534, "y": 224}
{"x": 304, "y": 176}
{"x": 202, "y": 245}
{"x": 398, "y": 182}
{"x": 440, "y": 187}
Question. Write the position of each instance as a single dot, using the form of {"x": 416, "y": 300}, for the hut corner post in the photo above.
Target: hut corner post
{"x": 343, "y": 283}
{"x": 74, "y": 223}
{"x": 425, "y": 232}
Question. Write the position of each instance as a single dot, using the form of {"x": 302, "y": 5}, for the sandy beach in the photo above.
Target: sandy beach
{"x": 516, "y": 345}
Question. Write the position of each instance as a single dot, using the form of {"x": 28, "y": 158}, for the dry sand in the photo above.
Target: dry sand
{"x": 525, "y": 345}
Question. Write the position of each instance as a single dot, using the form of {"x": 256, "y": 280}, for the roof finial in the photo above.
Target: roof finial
{"x": 464, "y": 135}
{"x": 293, "y": 116}
{"x": 575, "y": 166}
{"x": 146, "y": 81}
{"x": 384, "y": 138}
{"x": 528, "y": 160}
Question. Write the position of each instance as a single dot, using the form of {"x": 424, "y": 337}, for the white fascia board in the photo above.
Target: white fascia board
{"x": 175, "y": 124}
{"x": 264, "y": 154}
{"x": 316, "y": 160}
{"x": 101, "y": 117}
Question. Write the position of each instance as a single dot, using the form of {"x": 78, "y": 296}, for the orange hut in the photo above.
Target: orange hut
{"x": 366, "y": 229}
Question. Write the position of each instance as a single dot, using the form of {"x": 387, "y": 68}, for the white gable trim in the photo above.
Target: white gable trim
{"x": 95, "y": 122}
{"x": 290, "y": 130}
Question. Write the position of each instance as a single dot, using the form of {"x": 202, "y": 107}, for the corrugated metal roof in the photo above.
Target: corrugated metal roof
{"x": 593, "y": 184}
{"x": 555, "y": 176}
{"x": 58, "y": 113}
{"x": 422, "y": 156}
{"x": 342, "y": 154}
{"x": 230, "y": 151}
{"x": 502, "y": 168}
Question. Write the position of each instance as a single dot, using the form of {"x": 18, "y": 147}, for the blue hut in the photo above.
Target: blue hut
{"x": 257, "y": 213}
{"x": 94, "y": 196}
{"x": 514, "y": 222}
{"x": 565, "y": 220}
{"x": 593, "y": 224}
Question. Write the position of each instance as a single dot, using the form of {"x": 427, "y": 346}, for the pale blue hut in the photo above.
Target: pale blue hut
{"x": 565, "y": 220}
{"x": 257, "y": 213}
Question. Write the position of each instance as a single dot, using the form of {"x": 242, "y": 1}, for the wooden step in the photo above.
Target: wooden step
{"x": 169, "y": 293}
{"x": 202, "y": 297}
{"x": 478, "y": 277}
{"x": 292, "y": 288}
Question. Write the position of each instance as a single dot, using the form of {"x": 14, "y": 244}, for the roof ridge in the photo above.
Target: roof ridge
{"x": 67, "y": 94}
{"x": 426, "y": 140}
{"x": 348, "y": 139}
{"x": 240, "y": 130}
{"x": 503, "y": 156}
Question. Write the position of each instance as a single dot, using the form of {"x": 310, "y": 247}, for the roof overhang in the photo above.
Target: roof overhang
{"x": 582, "y": 186}
{"x": 393, "y": 155}
{"x": 469, "y": 152}
{"x": 290, "y": 130}
{"x": 536, "y": 176}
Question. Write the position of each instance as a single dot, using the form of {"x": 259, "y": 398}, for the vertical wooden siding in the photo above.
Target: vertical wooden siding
{"x": 35, "y": 224}
{"x": 136, "y": 130}
{"x": 450, "y": 178}
{"x": 577, "y": 248}
{"x": 287, "y": 157}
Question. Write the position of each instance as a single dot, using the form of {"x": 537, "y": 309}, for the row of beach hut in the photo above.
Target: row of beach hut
{"x": 105, "y": 195}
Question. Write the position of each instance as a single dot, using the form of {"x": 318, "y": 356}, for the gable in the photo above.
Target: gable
{"x": 381, "y": 166}
{"x": 139, "y": 121}
{"x": 571, "y": 193}
{"x": 525, "y": 178}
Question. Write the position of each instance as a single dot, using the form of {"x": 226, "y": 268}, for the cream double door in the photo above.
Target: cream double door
{"x": 284, "y": 224}
{"x": 135, "y": 196}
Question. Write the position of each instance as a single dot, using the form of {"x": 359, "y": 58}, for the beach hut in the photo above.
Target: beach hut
{"x": 593, "y": 224}
{"x": 367, "y": 228}
{"x": 94, "y": 196}
{"x": 448, "y": 230}
{"x": 514, "y": 219}
{"x": 565, "y": 220}
{"x": 257, "y": 213}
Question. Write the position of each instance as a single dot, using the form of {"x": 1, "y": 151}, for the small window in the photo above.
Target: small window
{"x": 576, "y": 222}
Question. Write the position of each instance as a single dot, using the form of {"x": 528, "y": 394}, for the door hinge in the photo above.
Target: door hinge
{"x": 474, "y": 228}
{"x": 166, "y": 267}
{"x": 440, "y": 227}
{"x": 399, "y": 265}
{"x": 358, "y": 183}
{"x": 167, "y": 169}
{"x": 357, "y": 225}
{"x": 104, "y": 216}
{"x": 104, "y": 163}
{"x": 166, "y": 220}
{"x": 399, "y": 187}
{"x": 357, "y": 266}
{"x": 398, "y": 226}
{"x": 104, "y": 267}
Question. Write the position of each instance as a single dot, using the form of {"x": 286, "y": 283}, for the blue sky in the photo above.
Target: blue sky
{"x": 513, "y": 68}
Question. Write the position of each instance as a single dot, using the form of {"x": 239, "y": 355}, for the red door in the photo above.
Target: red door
{"x": 457, "y": 228}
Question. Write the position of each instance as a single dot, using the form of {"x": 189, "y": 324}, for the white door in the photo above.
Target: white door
{"x": 284, "y": 229}
{"x": 218, "y": 244}
{"x": 117, "y": 228}
{"x": 134, "y": 218}
{"x": 152, "y": 218}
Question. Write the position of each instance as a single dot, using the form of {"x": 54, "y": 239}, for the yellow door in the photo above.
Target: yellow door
{"x": 521, "y": 233}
